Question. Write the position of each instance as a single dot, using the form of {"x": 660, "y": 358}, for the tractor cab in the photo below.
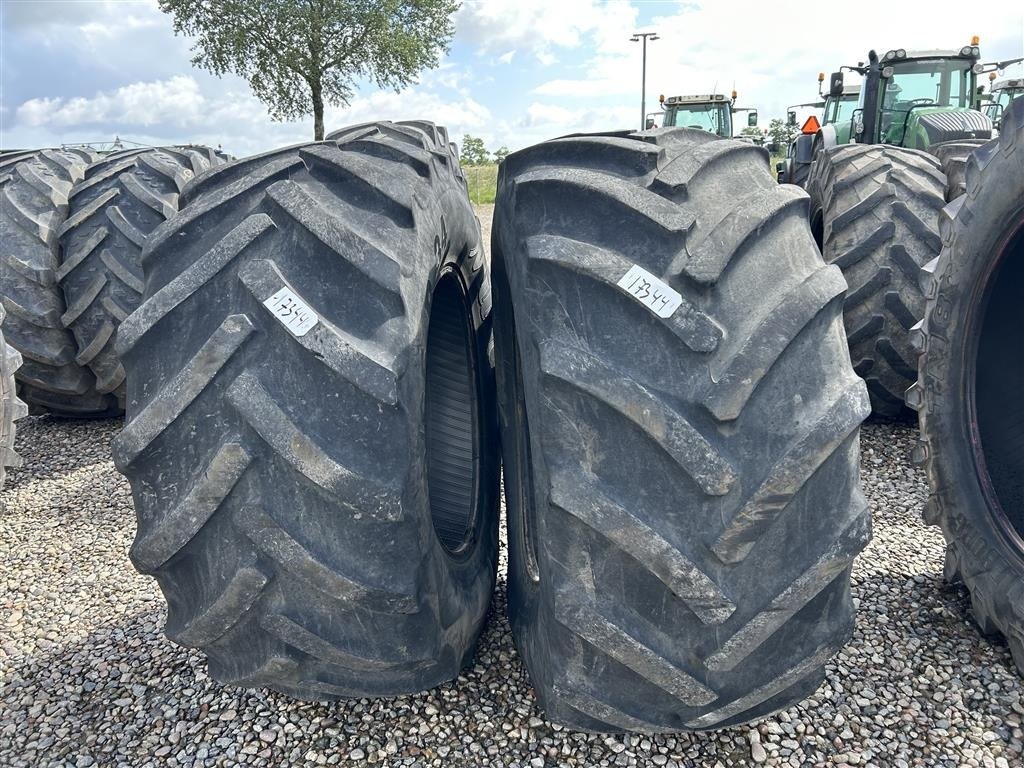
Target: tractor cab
{"x": 710, "y": 112}
{"x": 917, "y": 99}
{"x": 1000, "y": 95}
{"x": 839, "y": 111}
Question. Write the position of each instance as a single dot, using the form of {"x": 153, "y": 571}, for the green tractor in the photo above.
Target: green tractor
{"x": 1001, "y": 94}
{"x": 836, "y": 110}
{"x": 878, "y": 181}
{"x": 710, "y": 112}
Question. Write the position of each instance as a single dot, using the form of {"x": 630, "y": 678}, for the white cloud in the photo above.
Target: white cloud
{"x": 176, "y": 101}
{"x": 541, "y": 26}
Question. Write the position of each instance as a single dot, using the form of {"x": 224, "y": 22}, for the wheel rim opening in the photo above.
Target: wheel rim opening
{"x": 998, "y": 385}
{"x": 453, "y": 436}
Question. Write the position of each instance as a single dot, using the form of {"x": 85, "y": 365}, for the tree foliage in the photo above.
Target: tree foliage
{"x": 298, "y": 55}
{"x": 501, "y": 153}
{"x": 781, "y": 134}
{"x": 473, "y": 151}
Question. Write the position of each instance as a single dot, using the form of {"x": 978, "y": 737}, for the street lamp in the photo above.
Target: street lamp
{"x": 637, "y": 37}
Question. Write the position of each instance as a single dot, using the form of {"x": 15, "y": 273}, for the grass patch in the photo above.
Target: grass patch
{"x": 482, "y": 181}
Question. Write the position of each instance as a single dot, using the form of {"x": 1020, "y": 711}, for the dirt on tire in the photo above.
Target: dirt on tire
{"x": 311, "y": 418}
{"x": 676, "y": 396}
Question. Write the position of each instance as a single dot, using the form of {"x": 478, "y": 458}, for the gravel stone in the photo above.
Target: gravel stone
{"x": 87, "y": 677}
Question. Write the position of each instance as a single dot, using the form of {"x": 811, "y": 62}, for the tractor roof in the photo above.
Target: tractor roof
{"x": 699, "y": 98}
{"x": 901, "y": 54}
{"x": 1011, "y": 83}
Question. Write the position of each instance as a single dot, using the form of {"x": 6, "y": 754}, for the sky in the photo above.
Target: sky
{"x": 518, "y": 72}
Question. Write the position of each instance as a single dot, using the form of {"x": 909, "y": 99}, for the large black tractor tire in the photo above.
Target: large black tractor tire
{"x": 953, "y": 158}
{"x": 875, "y": 215}
{"x": 799, "y": 173}
{"x": 34, "y": 188}
{"x": 968, "y": 395}
{"x": 11, "y": 408}
{"x": 681, "y": 470}
{"x": 112, "y": 213}
{"x": 311, "y": 436}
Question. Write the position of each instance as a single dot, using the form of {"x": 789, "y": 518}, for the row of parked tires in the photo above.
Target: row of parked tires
{"x": 325, "y": 374}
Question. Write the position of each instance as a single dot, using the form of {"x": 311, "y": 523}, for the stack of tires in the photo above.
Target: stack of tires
{"x": 73, "y": 226}
{"x": 321, "y": 387}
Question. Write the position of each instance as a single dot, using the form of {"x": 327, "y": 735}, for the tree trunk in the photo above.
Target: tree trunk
{"x": 318, "y": 110}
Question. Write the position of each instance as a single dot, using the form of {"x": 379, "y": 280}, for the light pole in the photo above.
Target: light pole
{"x": 637, "y": 37}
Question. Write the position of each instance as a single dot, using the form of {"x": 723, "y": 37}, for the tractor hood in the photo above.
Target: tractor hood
{"x": 940, "y": 124}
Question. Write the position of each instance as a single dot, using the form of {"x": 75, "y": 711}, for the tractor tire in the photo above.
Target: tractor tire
{"x": 875, "y": 214}
{"x": 112, "y": 212}
{"x": 971, "y": 376}
{"x": 34, "y": 188}
{"x": 311, "y": 437}
{"x": 11, "y": 408}
{"x": 663, "y": 458}
{"x": 799, "y": 172}
{"x": 953, "y": 158}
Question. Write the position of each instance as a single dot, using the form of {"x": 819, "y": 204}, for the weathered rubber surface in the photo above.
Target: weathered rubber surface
{"x": 280, "y": 481}
{"x": 683, "y": 493}
{"x": 11, "y": 408}
{"x": 875, "y": 212}
{"x": 800, "y": 171}
{"x": 953, "y": 158}
{"x": 112, "y": 212}
{"x": 982, "y": 550}
{"x": 34, "y": 188}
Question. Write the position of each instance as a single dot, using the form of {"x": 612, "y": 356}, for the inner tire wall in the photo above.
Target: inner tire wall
{"x": 982, "y": 548}
{"x": 638, "y": 452}
{"x": 279, "y": 480}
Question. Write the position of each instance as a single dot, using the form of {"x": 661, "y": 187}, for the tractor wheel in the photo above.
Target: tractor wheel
{"x": 875, "y": 214}
{"x": 971, "y": 378}
{"x": 800, "y": 172}
{"x": 953, "y": 157}
{"x": 674, "y": 406}
{"x": 11, "y": 408}
{"x": 34, "y": 188}
{"x": 113, "y": 210}
{"x": 311, "y": 436}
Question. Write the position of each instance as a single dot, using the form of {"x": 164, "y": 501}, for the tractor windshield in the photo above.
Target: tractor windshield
{"x": 715, "y": 118}
{"x": 919, "y": 84}
{"x": 841, "y": 109}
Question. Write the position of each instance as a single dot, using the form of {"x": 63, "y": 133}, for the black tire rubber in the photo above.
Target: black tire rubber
{"x": 34, "y": 188}
{"x": 800, "y": 173}
{"x": 112, "y": 212}
{"x": 11, "y": 408}
{"x": 953, "y": 156}
{"x": 875, "y": 214}
{"x": 286, "y": 487}
{"x": 666, "y": 571}
{"x": 971, "y": 378}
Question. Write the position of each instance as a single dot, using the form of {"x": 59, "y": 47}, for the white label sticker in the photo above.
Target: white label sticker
{"x": 294, "y": 314}
{"x": 650, "y": 291}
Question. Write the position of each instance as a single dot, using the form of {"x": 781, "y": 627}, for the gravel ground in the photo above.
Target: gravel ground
{"x": 87, "y": 678}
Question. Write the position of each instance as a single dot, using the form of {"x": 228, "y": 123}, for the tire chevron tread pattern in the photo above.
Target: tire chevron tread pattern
{"x": 879, "y": 207}
{"x": 273, "y": 505}
{"x": 632, "y": 601}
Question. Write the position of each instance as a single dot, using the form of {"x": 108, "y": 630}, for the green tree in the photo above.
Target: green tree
{"x": 300, "y": 54}
{"x": 781, "y": 134}
{"x": 501, "y": 153}
{"x": 473, "y": 151}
